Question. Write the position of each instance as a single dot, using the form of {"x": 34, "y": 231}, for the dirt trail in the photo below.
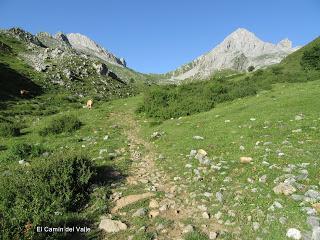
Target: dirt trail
{"x": 175, "y": 204}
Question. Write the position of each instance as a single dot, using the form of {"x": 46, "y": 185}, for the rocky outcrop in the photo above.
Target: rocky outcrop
{"x": 238, "y": 51}
{"x": 85, "y": 45}
{"x": 25, "y": 36}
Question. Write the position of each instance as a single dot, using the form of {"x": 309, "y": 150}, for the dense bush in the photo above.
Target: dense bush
{"x": 9, "y": 129}
{"x": 311, "y": 59}
{"x": 23, "y": 150}
{"x": 39, "y": 194}
{"x": 65, "y": 123}
{"x": 165, "y": 102}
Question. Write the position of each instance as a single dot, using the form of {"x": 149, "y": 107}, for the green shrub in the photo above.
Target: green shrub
{"x": 61, "y": 124}
{"x": 39, "y": 194}
{"x": 9, "y": 129}
{"x": 24, "y": 150}
{"x": 166, "y": 102}
{"x": 311, "y": 59}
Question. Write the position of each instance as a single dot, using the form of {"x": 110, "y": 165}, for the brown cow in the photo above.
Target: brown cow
{"x": 24, "y": 93}
{"x": 89, "y": 103}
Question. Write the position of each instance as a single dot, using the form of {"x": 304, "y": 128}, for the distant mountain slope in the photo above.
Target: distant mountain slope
{"x": 238, "y": 51}
{"x": 44, "y": 63}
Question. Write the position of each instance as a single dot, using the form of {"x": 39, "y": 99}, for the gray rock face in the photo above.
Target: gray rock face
{"x": 238, "y": 51}
{"x": 84, "y": 44}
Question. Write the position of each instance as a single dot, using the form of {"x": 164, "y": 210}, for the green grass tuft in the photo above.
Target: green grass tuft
{"x": 61, "y": 124}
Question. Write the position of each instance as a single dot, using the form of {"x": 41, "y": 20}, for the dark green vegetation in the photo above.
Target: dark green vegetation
{"x": 166, "y": 102}
{"x": 61, "y": 124}
{"x": 41, "y": 195}
{"x": 8, "y": 129}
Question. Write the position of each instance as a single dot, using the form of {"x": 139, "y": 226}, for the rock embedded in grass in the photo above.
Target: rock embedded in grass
{"x": 198, "y": 138}
{"x": 140, "y": 212}
{"x": 294, "y": 233}
{"x": 246, "y": 159}
{"x": 284, "y": 188}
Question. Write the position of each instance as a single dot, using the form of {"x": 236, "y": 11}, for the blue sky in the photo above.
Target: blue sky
{"x": 158, "y": 36}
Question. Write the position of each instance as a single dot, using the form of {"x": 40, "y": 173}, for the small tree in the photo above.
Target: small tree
{"x": 250, "y": 68}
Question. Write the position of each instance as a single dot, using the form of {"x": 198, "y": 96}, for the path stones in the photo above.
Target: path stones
{"x": 284, "y": 188}
{"x": 294, "y": 233}
{"x": 112, "y": 226}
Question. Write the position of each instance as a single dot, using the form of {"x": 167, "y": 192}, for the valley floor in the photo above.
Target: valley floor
{"x": 162, "y": 187}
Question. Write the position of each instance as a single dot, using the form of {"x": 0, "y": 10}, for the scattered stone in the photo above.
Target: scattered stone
{"x": 255, "y": 226}
{"x": 189, "y": 228}
{"x": 297, "y": 197}
{"x": 193, "y": 153}
{"x": 188, "y": 165}
{"x": 156, "y": 135}
{"x": 207, "y": 194}
{"x": 102, "y": 151}
{"x": 284, "y": 188}
{"x": 106, "y": 137}
{"x": 294, "y": 233}
{"x": 242, "y": 148}
{"x": 245, "y": 159}
{"x": 263, "y": 179}
{"x": 298, "y": 117}
{"x": 213, "y": 235}
{"x": 297, "y": 130}
{"x": 205, "y": 215}
{"x": 112, "y": 226}
{"x": 140, "y": 212}
{"x": 315, "y": 233}
{"x": 153, "y": 204}
{"x": 218, "y": 215}
{"x": 313, "y": 194}
{"x": 219, "y": 197}
{"x": 277, "y": 204}
{"x": 198, "y": 137}
{"x": 163, "y": 208}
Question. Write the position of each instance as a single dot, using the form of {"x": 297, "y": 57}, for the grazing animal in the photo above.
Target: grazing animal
{"x": 24, "y": 93}
{"x": 89, "y": 103}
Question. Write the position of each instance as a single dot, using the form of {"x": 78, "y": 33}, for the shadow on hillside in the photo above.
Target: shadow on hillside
{"x": 11, "y": 82}
{"x": 107, "y": 175}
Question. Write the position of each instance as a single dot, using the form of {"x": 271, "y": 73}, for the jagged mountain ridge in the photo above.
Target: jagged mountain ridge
{"x": 237, "y": 51}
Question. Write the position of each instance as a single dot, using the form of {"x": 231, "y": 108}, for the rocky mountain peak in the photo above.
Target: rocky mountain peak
{"x": 285, "y": 43}
{"x": 86, "y": 45}
{"x": 237, "y": 51}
